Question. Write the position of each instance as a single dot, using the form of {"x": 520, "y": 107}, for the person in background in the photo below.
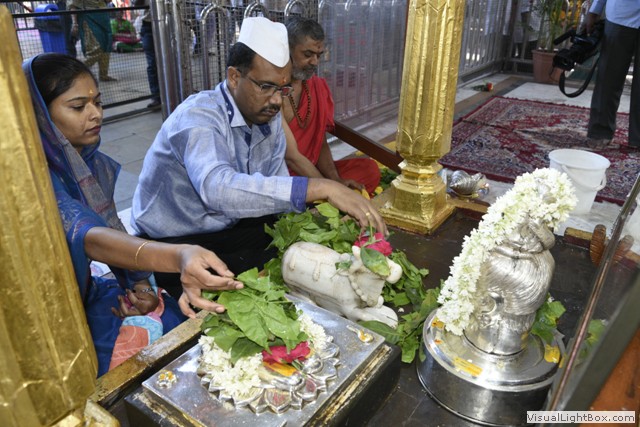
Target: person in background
{"x": 94, "y": 31}
{"x": 146, "y": 33}
{"x": 308, "y": 113}
{"x": 69, "y": 40}
{"x": 215, "y": 173}
{"x": 127, "y": 312}
{"x": 192, "y": 14}
{"x": 620, "y": 46}
{"x": 209, "y": 32}
{"x": 124, "y": 34}
{"x": 528, "y": 23}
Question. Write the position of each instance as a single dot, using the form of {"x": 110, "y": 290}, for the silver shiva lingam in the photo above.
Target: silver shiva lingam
{"x": 487, "y": 367}
{"x": 496, "y": 370}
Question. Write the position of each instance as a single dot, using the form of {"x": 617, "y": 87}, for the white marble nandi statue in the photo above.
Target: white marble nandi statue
{"x": 310, "y": 272}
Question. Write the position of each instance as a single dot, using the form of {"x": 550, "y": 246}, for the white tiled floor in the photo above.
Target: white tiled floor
{"x": 541, "y": 92}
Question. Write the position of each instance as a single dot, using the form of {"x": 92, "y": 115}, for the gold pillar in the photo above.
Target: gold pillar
{"x": 47, "y": 362}
{"x": 427, "y": 99}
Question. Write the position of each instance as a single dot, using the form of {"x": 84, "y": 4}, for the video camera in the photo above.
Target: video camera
{"x": 584, "y": 47}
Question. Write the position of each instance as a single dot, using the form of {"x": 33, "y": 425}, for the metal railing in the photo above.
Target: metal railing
{"x": 364, "y": 46}
{"x": 49, "y": 31}
{"x": 365, "y": 51}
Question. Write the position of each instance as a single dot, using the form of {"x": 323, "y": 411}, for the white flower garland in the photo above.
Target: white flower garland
{"x": 237, "y": 379}
{"x": 315, "y": 332}
{"x": 523, "y": 201}
{"x": 234, "y": 379}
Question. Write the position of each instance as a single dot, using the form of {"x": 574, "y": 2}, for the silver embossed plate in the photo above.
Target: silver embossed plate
{"x": 189, "y": 396}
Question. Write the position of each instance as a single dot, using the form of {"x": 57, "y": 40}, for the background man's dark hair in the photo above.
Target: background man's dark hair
{"x": 240, "y": 57}
{"x": 298, "y": 28}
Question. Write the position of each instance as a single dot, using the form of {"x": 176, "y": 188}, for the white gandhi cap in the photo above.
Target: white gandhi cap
{"x": 266, "y": 38}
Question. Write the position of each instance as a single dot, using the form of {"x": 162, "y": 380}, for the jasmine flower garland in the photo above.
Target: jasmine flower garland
{"x": 545, "y": 196}
{"x": 315, "y": 332}
{"x": 236, "y": 379}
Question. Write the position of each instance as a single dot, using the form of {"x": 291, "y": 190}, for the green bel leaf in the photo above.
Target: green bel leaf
{"x": 251, "y": 279}
{"x": 375, "y": 261}
{"x": 409, "y": 346}
{"x": 243, "y": 311}
{"x": 328, "y": 210}
{"x": 279, "y": 324}
{"x": 343, "y": 265}
{"x": 544, "y": 331}
{"x": 318, "y": 237}
{"x": 225, "y": 336}
{"x": 430, "y": 302}
{"x": 244, "y": 347}
{"x": 401, "y": 298}
{"x": 383, "y": 329}
{"x": 210, "y": 321}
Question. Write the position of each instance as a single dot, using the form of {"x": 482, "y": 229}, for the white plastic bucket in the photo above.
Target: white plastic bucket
{"x": 587, "y": 172}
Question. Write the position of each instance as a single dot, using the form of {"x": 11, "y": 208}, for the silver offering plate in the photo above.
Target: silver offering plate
{"x": 293, "y": 402}
{"x": 278, "y": 392}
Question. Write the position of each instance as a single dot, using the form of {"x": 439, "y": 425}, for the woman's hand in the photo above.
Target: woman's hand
{"x": 199, "y": 269}
{"x": 196, "y": 264}
{"x": 142, "y": 300}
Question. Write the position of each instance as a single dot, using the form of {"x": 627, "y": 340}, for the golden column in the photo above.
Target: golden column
{"x": 47, "y": 362}
{"x": 432, "y": 52}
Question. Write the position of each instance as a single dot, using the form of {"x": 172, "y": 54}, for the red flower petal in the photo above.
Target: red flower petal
{"x": 279, "y": 353}
{"x": 381, "y": 245}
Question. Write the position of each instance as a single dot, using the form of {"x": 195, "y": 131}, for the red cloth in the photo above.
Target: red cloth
{"x": 311, "y": 138}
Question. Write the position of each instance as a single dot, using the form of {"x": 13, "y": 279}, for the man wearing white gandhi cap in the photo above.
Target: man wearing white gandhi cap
{"x": 266, "y": 38}
{"x": 215, "y": 174}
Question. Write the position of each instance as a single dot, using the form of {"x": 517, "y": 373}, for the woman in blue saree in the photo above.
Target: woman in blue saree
{"x": 127, "y": 312}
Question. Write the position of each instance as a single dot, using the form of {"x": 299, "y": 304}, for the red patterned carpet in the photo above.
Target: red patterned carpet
{"x": 506, "y": 137}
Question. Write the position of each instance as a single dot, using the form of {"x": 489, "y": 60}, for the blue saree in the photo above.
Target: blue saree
{"x": 84, "y": 184}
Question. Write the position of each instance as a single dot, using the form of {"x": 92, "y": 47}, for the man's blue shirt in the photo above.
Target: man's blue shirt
{"x": 621, "y": 12}
{"x": 207, "y": 169}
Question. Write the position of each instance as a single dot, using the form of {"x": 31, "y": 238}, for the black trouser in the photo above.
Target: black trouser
{"x": 242, "y": 248}
{"x": 620, "y": 47}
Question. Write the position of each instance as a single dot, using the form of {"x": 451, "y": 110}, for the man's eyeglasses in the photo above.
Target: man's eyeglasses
{"x": 267, "y": 89}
